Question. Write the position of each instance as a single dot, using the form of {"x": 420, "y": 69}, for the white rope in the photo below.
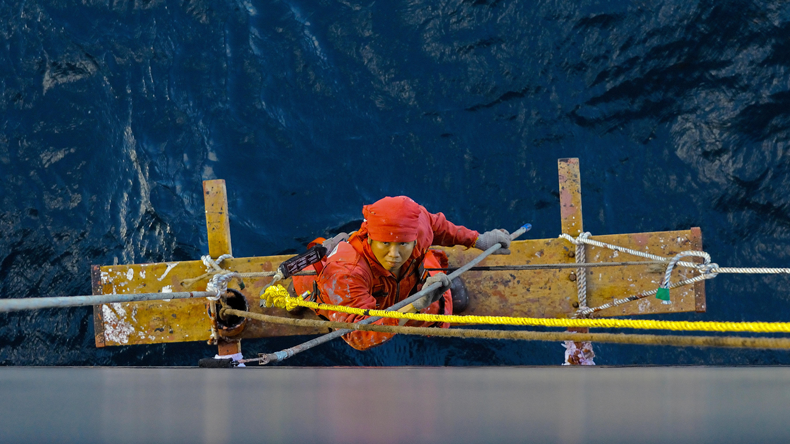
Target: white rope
{"x": 751, "y": 270}
{"x": 211, "y": 264}
{"x": 616, "y": 302}
{"x": 581, "y": 354}
{"x": 706, "y": 269}
{"x": 623, "y": 249}
{"x": 219, "y": 281}
{"x": 581, "y": 273}
{"x": 219, "y": 285}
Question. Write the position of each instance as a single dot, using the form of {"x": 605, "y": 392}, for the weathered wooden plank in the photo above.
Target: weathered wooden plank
{"x": 571, "y": 220}
{"x": 217, "y": 219}
{"x": 552, "y": 293}
{"x": 570, "y": 196}
{"x": 607, "y": 284}
{"x": 539, "y": 293}
{"x": 218, "y": 228}
{"x": 180, "y": 320}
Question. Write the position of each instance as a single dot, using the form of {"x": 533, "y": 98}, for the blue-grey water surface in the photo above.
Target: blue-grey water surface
{"x": 113, "y": 112}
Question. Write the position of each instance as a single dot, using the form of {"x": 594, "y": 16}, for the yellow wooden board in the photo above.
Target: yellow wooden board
{"x": 180, "y": 320}
{"x": 570, "y": 196}
{"x": 551, "y": 293}
{"x": 217, "y": 219}
{"x": 538, "y": 293}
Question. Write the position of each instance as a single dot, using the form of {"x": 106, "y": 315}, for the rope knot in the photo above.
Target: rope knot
{"x": 581, "y": 274}
{"x": 221, "y": 277}
{"x": 277, "y": 296}
{"x": 578, "y": 240}
{"x": 219, "y": 283}
{"x": 211, "y": 264}
{"x": 710, "y": 269}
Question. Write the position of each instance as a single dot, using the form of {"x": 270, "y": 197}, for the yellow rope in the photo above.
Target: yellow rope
{"x": 614, "y": 338}
{"x": 279, "y": 297}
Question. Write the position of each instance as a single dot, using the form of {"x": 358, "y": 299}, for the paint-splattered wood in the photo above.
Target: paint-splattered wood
{"x": 571, "y": 220}
{"x": 570, "y": 196}
{"x": 217, "y": 219}
{"x": 215, "y": 197}
{"x": 552, "y": 293}
{"x": 180, "y": 320}
{"x": 540, "y": 293}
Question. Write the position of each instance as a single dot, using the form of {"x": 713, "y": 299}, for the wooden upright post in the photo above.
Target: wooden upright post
{"x": 215, "y": 196}
{"x": 571, "y": 219}
{"x": 217, "y": 221}
{"x": 570, "y": 196}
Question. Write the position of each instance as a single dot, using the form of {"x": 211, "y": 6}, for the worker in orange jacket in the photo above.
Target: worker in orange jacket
{"x": 380, "y": 265}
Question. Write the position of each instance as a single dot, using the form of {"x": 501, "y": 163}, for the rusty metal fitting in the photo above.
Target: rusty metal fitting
{"x": 231, "y": 326}
{"x": 572, "y": 276}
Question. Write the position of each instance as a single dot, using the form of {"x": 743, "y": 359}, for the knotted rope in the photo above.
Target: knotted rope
{"x": 706, "y": 269}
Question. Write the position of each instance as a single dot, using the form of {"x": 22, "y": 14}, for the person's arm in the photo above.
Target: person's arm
{"x": 447, "y": 234}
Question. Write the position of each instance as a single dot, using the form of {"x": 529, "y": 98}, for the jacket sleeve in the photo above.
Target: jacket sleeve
{"x": 340, "y": 286}
{"x": 447, "y": 234}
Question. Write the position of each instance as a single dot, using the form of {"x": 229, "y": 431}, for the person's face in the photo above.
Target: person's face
{"x": 392, "y": 255}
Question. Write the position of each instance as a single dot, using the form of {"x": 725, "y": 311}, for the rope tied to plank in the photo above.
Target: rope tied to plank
{"x": 219, "y": 286}
{"x": 581, "y": 275}
{"x": 211, "y": 264}
{"x": 220, "y": 277}
{"x": 707, "y": 270}
{"x": 580, "y": 353}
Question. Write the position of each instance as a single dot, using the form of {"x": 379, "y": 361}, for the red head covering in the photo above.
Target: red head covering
{"x": 392, "y": 219}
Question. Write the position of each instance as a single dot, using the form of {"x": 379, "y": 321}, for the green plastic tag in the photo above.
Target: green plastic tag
{"x": 663, "y": 294}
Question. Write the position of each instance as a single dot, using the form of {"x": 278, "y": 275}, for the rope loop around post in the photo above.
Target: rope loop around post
{"x": 211, "y": 264}
{"x": 581, "y": 273}
{"x": 711, "y": 270}
{"x": 620, "y": 249}
{"x": 219, "y": 281}
{"x": 705, "y": 269}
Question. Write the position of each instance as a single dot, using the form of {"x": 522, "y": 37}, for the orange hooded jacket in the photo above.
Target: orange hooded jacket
{"x": 353, "y": 277}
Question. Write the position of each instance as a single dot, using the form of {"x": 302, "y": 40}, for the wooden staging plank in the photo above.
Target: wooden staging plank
{"x": 153, "y": 322}
{"x": 539, "y": 293}
{"x": 552, "y": 294}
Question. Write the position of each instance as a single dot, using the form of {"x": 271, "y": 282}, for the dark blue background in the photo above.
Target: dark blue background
{"x": 114, "y": 112}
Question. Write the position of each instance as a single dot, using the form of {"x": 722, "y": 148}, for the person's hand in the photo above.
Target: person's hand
{"x": 332, "y": 242}
{"x": 493, "y": 237}
{"x": 434, "y": 296}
